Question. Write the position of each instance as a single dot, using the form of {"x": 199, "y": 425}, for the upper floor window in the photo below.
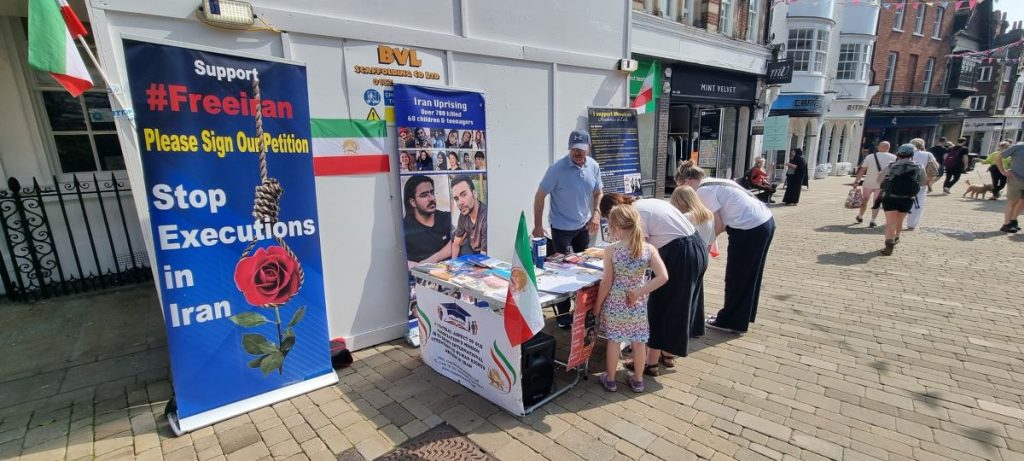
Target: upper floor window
{"x": 853, "y": 61}
{"x": 807, "y": 49}
{"x": 977, "y": 102}
{"x": 940, "y": 14}
{"x": 726, "y": 17}
{"x": 929, "y": 74}
{"x": 897, "y": 19}
{"x": 753, "y": 20}
{"x": 1007, "y": 71}
{"x": 985, "y": 74}
{"x": 919, "y": 19}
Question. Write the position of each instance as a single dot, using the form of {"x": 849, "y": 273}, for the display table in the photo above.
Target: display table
{"x": 460, "y": 306}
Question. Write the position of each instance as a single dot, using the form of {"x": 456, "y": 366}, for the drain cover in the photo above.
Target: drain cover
{"x": 440, "y": 443}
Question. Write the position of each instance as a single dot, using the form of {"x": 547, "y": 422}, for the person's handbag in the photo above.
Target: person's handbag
{"x": 932, "y": 168}
{"x": 855, "y": 198}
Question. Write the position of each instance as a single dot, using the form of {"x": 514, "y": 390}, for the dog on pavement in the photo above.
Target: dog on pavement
{"x": 976, "y": 190}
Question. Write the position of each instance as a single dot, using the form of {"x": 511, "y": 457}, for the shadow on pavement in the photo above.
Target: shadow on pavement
{"x": 852, "y": 229}
{"x": 847, "y": 258}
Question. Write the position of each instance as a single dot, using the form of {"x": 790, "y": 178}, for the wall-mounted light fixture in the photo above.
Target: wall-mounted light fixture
{"x": 230, "y": 14}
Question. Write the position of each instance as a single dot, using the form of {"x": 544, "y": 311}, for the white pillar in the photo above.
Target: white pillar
{"x": 812, "y": 146}
{"x": 833, "y": 152}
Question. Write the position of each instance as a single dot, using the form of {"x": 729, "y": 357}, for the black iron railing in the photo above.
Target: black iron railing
{"x": 69, "y": 238}
{"x": 910, "y": 100}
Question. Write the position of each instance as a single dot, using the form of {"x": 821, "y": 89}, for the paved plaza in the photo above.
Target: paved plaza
{"x": 854, "y": 356}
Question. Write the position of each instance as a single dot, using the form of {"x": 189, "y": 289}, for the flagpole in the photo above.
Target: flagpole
{"x": 106, "y": 79}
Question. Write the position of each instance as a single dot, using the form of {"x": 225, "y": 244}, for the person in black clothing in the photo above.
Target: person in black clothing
{"x": 428, "y": 231}
{"x": 956, "y": 164}
{"x": 796, "y": 177}
{"x": 939, "y": 152}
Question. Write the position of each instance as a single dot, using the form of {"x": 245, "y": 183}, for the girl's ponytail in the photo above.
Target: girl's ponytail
{"x": 626, "y": 218}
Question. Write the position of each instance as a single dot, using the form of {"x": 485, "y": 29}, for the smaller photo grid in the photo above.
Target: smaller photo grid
{"x": 434, "y": 149}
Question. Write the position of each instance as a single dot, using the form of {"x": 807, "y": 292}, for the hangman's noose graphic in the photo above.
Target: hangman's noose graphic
{"x": 266, "y": 207}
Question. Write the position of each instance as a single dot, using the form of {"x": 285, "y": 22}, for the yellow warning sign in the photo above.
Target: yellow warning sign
{"x": 373, "y": 115}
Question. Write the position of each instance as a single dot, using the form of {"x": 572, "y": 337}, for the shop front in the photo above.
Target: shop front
{"x": 844, "y": 126}
{"x": 709, "y": 119}
{"x": 984, "y": 134}
{"x": 898, "y": 129}
{"x": 805, "y": 125}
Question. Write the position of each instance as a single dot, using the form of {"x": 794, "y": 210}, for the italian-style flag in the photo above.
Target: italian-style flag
{"x": 343, "y": 146}
{"x": 52, "y": 29}
{"x": 523, "y": 317}
{"x": 643, "y": 97}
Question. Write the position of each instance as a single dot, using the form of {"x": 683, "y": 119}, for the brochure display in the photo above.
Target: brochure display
{"x": 226, "y": 156}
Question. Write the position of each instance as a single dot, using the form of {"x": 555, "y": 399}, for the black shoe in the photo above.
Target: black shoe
{"x": 714, "y": 326}
{"x": 1014, "y": 224}
{"x": 565, "y": 324}
{"x": 858, "y": 219}
{"x": 872, "y": 225}
{"x": 1009, "y": 229}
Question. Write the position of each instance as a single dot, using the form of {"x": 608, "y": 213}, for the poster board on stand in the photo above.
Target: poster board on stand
{"x": 242, "y": 301}
{"x": 709, "y": 137}
{"x": 615, "y": 145}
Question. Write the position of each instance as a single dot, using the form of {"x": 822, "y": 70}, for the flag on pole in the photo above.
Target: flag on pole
{"x": 523, "y": 317}
{"x": 641, "y": 86}
{"x": 52, "y": 26}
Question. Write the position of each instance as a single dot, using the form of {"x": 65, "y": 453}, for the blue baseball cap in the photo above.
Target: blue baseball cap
{"x": 579, "y": 139}
{"x": 906, "y": 150}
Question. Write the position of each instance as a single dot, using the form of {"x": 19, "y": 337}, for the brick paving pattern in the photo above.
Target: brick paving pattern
{"x": 854, "y": 356}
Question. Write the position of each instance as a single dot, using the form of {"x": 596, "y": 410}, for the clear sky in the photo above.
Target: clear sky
{"x": 1014, "y": 9}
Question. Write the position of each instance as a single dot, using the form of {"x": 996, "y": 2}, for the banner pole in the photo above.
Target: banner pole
{"x": 106, "y": 79}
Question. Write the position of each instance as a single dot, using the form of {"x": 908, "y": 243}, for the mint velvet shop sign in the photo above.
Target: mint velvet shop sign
{"x": 698, "y": 84}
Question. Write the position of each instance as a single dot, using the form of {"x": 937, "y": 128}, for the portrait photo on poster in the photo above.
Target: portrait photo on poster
{"x": 427, "y": 217}
{"x": 469, "y": 200}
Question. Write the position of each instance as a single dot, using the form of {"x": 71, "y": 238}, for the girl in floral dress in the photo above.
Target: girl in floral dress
{"x": 622, "y": 296}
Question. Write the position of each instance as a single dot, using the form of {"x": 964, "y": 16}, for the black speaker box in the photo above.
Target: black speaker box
{"x": 538, "y": 368}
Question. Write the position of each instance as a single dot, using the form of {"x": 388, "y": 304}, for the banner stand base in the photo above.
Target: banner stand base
{"x": 207, "y": 418}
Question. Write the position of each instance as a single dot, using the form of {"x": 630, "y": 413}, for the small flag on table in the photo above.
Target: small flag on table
{"x": 52, "y": 29}
{"x": 523, "y": 316}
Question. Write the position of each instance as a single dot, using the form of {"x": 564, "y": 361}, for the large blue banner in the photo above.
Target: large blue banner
{"x": 442, "y": 148}
{"x": 235, "y": 232}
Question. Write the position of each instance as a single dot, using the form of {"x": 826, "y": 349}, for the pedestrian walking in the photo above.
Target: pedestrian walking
{"x": 574, "y": 184}
{"x": 796, "y": 177}
{"x": 869, "y": 179}
{"x": 676, "y": 307}
{"x": 927, "y": 162}
{"x": 904, "y": 179}
{"x": 1014, "y": 185}
{"x": 998, "y": 179}
{"x": 751, "y": 227}
{"x": 939, "y": 152}
{"x": 622, "y": 295}
{"x": 956, "y": 164}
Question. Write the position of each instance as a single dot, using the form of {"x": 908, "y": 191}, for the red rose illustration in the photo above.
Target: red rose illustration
{"x": 269, "y": 277}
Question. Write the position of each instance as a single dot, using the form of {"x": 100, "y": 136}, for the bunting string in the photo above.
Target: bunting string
{"x": 897, "y": 5}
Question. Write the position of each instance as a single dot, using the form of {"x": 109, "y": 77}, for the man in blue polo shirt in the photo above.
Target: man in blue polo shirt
{"x": 574, "y": 184}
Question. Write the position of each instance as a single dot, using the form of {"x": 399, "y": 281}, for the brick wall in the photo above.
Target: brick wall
{"x": 906, "y": 43}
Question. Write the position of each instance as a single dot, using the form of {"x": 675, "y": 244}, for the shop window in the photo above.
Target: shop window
{"x": 985, "y": 74}
{"x": 977, "y": 102}
{"x": 82, "y": 128}
{"x": 897, "y": 19}
{"x": 807, "y": 49}
{"x": 853, "y": 61}
{"x": 940, "y": 14}
{"x": 919, "y": 19}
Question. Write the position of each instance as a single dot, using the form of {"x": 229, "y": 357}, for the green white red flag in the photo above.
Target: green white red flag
{"x": 523, "y": 316}
{"x": 644, "y": 100}
{"x": 52, "y": 29}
